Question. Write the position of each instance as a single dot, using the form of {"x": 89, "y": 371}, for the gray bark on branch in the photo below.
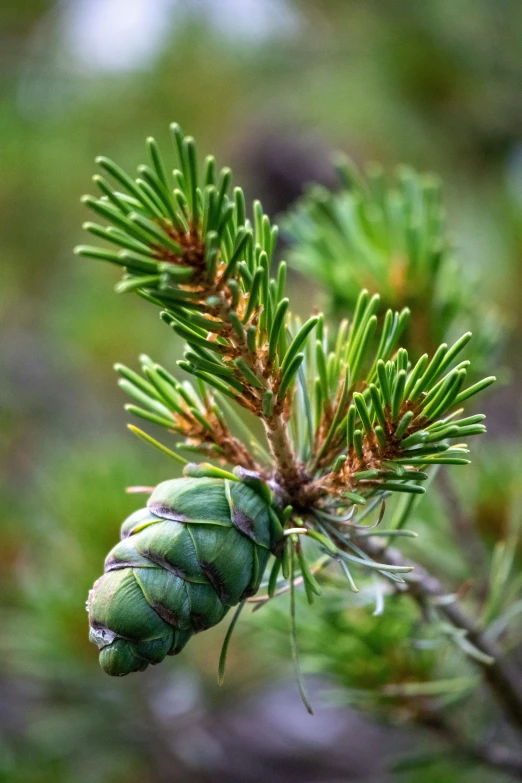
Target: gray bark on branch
{"x": 504, "y": 681}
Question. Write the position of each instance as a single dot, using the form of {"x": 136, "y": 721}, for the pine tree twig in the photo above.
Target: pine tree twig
{"x": 348, "y": 421}
{"x": 288, "y": 473}
{"x": 423, "y": 588}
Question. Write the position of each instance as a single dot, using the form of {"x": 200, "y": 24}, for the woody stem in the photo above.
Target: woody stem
{"x": 288, "y": 473}
{"x": 504, "y": 682}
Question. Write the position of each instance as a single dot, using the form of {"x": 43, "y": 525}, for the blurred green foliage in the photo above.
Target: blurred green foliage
{"x": 433, "y": 85}
{"x": 389, "y": 235}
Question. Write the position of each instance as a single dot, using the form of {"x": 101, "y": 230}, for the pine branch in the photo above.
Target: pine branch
{"x": 183, "y": 410}
{"x": 425, "y": 589}
{"x": 192, "y": 251}
{"x": 380, "y": 422}
{"x": 389, "y": 233}
{"x": 189, "y": 248}
{"x": 347, "y": 424}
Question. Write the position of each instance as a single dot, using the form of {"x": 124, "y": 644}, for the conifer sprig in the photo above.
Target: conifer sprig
{"x": 390, "y": 234}
{"x": 374, "y": 429}
{"x": 362, "y": 417}
{"x": 348, "y": 422}
{"x": 392, "y": 237}
{"x": 185, "y": 410}
{"x": 187, "y": 245}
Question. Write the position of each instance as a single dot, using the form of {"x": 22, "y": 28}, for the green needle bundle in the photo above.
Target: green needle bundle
{"x": 352, "y": 422}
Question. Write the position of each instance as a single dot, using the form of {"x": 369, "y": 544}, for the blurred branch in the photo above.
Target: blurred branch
{"x": 505, "y": 684}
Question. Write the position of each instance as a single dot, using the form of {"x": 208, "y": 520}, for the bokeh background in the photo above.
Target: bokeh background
{"x": 271, "y": 87}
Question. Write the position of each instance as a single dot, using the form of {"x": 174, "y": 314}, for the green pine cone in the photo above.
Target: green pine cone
{"x": 199, "y": 547}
